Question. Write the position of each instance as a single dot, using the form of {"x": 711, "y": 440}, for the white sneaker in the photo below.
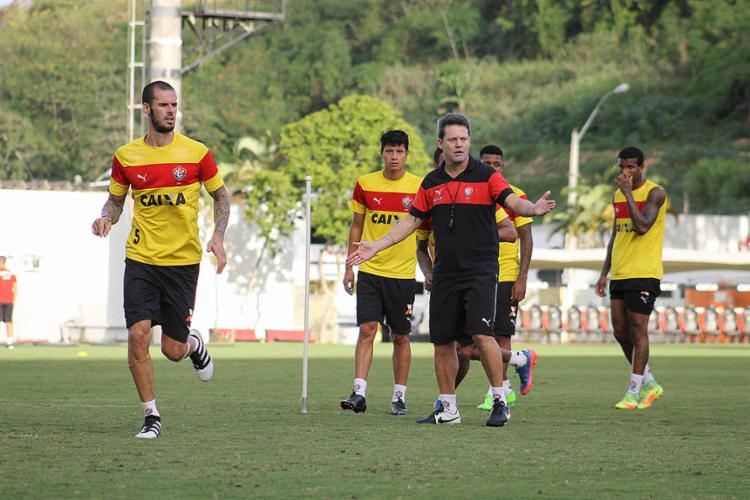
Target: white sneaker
{"x": 442, "y": 416}
{"x": 202, "y": 362}
{"x": 151, "y": 428}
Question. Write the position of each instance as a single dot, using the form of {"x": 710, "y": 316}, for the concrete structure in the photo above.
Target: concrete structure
{"x": 165, "y": 46}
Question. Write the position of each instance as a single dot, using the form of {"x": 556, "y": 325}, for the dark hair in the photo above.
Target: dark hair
{"x": 631, "y": 152}
{"x": 436, "y": 155}
{"x": 147, "y": 96}
{"x": 452, "y": 119}
{"x": 394, "y": 138}
{"x": 490, "y": 149}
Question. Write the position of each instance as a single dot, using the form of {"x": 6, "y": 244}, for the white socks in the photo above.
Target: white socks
{"x": 399, "y": 392}
{"x": 647, "y": 375}
{"x": 499, "y": 393}
{"x": 635, "y": 384}
{"x": 449, "y": 402}
{"x": 360, "y": 386}
{"x": 149, "y": 408}
{"x": 517, "y": 359}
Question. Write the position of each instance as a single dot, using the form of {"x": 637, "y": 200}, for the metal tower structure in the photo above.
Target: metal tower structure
{"x": 221, "y": 24}
{"x": 136, "y": 63}
{"x": 162, "y": 54}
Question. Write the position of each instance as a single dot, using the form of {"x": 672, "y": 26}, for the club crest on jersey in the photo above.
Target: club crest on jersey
{"x": 406, "y": 201}
{"x": 468, "y": 191}
{"x": 179, "y": 172}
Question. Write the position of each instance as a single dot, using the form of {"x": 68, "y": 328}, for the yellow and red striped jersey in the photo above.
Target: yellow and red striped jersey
{"x": 634, "y": 255}
{"x": 509, "y": 259}
{"x": 165, "y": 183}
{"x": 384, "y": 202}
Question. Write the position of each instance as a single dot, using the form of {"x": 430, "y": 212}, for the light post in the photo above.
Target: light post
{"x": 571, "y": 240}
{"x": 575, "y": 142}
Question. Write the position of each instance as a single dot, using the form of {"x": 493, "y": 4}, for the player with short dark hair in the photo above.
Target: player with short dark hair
{"x": 634, "y": 257}
{"x": 461, "y": 197}
{"x": 164, "y": 171}
{"x": 386, "y": 284}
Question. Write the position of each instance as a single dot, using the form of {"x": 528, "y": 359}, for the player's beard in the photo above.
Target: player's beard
{"x": 159, "y": 127}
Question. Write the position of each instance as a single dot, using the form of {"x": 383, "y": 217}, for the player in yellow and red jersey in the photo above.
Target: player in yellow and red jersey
{"x": 386, "y": 284}
{"x": 634, "y": 256}
{"x": 164, "y": 171}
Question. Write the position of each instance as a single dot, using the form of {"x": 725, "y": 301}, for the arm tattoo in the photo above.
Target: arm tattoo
{"x": 113, "y": 207}
{"x": 221, "y": 210}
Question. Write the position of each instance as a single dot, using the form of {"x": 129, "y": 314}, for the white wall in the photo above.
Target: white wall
{"x": 64, "y": 272}
{"x": 66, "y": 275}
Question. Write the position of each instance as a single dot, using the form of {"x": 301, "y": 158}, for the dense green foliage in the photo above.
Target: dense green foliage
{"x": 68, "y": 426}
{"x": 526, "y": 71}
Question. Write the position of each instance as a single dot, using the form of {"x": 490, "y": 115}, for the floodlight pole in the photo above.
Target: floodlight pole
{"x": 308, "y": 231}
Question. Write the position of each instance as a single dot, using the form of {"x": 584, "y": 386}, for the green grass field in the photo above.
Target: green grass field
{"x": 68, "y": 424}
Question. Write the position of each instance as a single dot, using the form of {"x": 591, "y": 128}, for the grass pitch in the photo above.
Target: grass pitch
{"x": 68, "y": 424}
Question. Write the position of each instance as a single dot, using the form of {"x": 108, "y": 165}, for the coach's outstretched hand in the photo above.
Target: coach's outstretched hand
{"x": 543, "y": 205}
{"x": 365, "y": 251}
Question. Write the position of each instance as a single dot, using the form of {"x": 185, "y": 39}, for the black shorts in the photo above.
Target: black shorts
{"x": 461, "y": 307}
{"x": 639, "y": 294}
{"x": 6, "y": 313}
{"x": 389, "y": 300}
{"x": 505, "y": 319}
{"x": 163, "y": 294}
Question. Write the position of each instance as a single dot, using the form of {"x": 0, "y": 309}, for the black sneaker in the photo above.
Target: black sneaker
{"x": 398, "y": 407}
{"x": 356, "y": 403}
{"x": 151, "y": 428}
{"x": 440, "y": 416}
{"x": 500, "y": 414}
{"x": 202, "y": 362}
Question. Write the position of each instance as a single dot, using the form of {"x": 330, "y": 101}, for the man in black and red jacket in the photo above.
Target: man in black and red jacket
{"x": 460, "y": 196}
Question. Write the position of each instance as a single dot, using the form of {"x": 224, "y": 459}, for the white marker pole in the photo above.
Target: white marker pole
{"x": 308, "y": 230}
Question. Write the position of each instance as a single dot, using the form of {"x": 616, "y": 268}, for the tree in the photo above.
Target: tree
{"x": 335, "y": 146}
{"x": 69, "y": 102}
{"x": 719, "y": 186}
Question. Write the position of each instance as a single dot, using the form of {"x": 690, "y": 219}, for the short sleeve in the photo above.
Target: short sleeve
{"x": 420, "y": 208}
{"x": 500, "y": 214}
{"x": 118, "y": 181}
{"x": 424, "y": 230}
{"x": 208, "y": 174}
{"x": 499, "y": 188}
{"x": 357, "y": 205}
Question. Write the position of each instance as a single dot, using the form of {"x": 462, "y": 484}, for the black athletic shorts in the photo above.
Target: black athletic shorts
{"x": 6, "y": 313}
{"x": 461, "y": 307}
{"x": 163, "y": 294}
{"x": 389, "y": 300}
{"x": 639, "y": 294}
{"x": 505, "y": 319}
